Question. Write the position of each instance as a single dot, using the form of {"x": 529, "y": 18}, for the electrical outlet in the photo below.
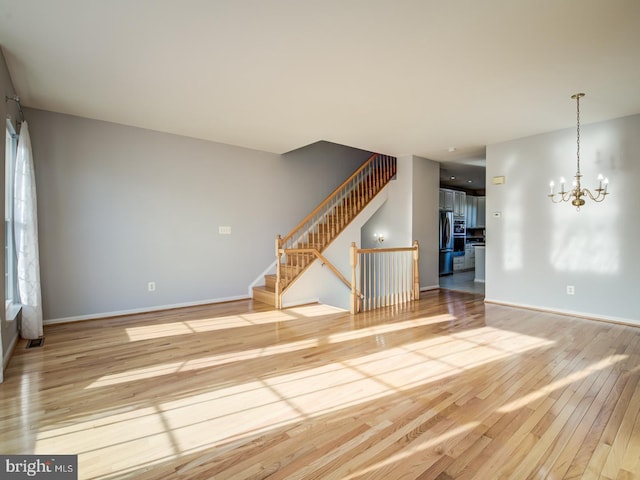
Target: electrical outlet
{"x": 571, "y": 290}
{"x": 151, "y": 286}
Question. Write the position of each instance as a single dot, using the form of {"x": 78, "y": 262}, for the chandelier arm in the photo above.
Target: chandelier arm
{"x": 562, "y": 196}
{"x": 599, "y": 195}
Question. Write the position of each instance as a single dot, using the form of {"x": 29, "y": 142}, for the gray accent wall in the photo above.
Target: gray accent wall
{"x": 425, "y": 219}
{"x": 536, "y": 248}
{"x": 120, "y": 207}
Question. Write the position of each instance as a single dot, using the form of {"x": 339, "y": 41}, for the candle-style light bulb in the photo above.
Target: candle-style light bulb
{"x": 562, "y": 184}
{"x": 551, "y": 185}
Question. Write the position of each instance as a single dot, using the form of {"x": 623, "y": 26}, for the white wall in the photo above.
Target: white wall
{"x": 393, "y": 219}
{"x": 535, "y": 249}
{"x": 120, "y": 207}
{"x": 411, "y": 213}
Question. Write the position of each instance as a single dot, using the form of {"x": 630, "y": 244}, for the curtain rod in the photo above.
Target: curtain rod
{"x": 16, "y": 98}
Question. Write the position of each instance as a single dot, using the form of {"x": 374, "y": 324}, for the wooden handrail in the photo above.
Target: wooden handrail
{"x": 323, "y": 259}
{"x": 329, "y": 198}
{"x": 386, "y": 250}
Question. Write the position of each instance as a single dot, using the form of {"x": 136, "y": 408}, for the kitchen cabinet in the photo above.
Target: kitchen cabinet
{"x": 453, "y": 201}
{"x": 459, "y": 203}
{"x": 458, "y": 263}
{"x": 469, "y": 257}
{"x": 476, "y": 211}
{"x": 446, "y": 200}
{"x": 482, "y": 212}
{"x": 472, "y": 210}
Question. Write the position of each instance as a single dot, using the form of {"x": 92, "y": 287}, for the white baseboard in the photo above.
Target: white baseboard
{"x": 299, "y": 302}
{"x": 119, "y": 313}
{"x": 429, "y": 287}
{"x": 570, "y": 313}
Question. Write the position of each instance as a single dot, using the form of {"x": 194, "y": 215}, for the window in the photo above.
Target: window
{"x": 10, "y": 287}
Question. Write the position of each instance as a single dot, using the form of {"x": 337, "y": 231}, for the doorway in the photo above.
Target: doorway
{"x": 464, "y": 181}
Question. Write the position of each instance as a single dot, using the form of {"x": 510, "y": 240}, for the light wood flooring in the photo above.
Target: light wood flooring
{"x": 448, "y": 388}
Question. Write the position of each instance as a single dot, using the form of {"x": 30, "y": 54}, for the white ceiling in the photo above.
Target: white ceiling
{"x": 393, "y": 76}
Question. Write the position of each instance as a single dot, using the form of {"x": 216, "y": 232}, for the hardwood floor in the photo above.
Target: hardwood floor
{"x": 448, "y": 388}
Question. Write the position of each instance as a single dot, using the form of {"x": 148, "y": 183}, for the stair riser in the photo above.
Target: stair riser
{"x": 270, "y": 282}
{"x": 290, "y": 270}
{"x": 264, "y": 296}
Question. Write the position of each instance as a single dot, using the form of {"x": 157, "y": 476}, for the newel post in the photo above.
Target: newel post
{"x": 278, "y": 300}
{"x": 416, "y": 271}
{"x": 353, "y": 261}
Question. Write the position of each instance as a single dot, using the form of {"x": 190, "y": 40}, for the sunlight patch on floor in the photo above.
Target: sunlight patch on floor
{"x": 263, "y": 352}
{"x": 563, "y": 382}
{"x": 218, "y": 416}
{"x": 413, "y": 448}
{"x": 187, "y": 327}
{"x": 315, "y": 310}
{"x": 221, "y": 416}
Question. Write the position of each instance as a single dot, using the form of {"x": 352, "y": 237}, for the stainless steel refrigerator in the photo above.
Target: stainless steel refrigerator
{"x": 446, "y": 243}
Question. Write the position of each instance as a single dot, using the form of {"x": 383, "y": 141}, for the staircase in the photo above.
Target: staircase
{"x": 306, "y": 242}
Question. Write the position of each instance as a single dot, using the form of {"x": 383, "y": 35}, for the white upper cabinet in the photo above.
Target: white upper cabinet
{"x": 482, "y": 212}
{"x": 476, "y": 211}
{"x": 459, "y": 203}
{"x": 446, "y": 199}
{"x": 453, "y": 201}
{"x": 472, "y": 211}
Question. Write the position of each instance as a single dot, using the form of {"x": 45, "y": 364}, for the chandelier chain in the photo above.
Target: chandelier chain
{"x": 578, "y": 133}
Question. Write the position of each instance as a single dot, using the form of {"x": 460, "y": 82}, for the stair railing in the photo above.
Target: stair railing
{"x": 382, "y": 277}
{"x": 328, "y": 219}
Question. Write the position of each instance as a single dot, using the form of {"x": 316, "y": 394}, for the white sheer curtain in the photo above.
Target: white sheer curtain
{"x": 25, "y": 220}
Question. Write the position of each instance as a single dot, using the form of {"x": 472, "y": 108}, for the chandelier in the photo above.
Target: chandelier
{"x": 577, "y": 193}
